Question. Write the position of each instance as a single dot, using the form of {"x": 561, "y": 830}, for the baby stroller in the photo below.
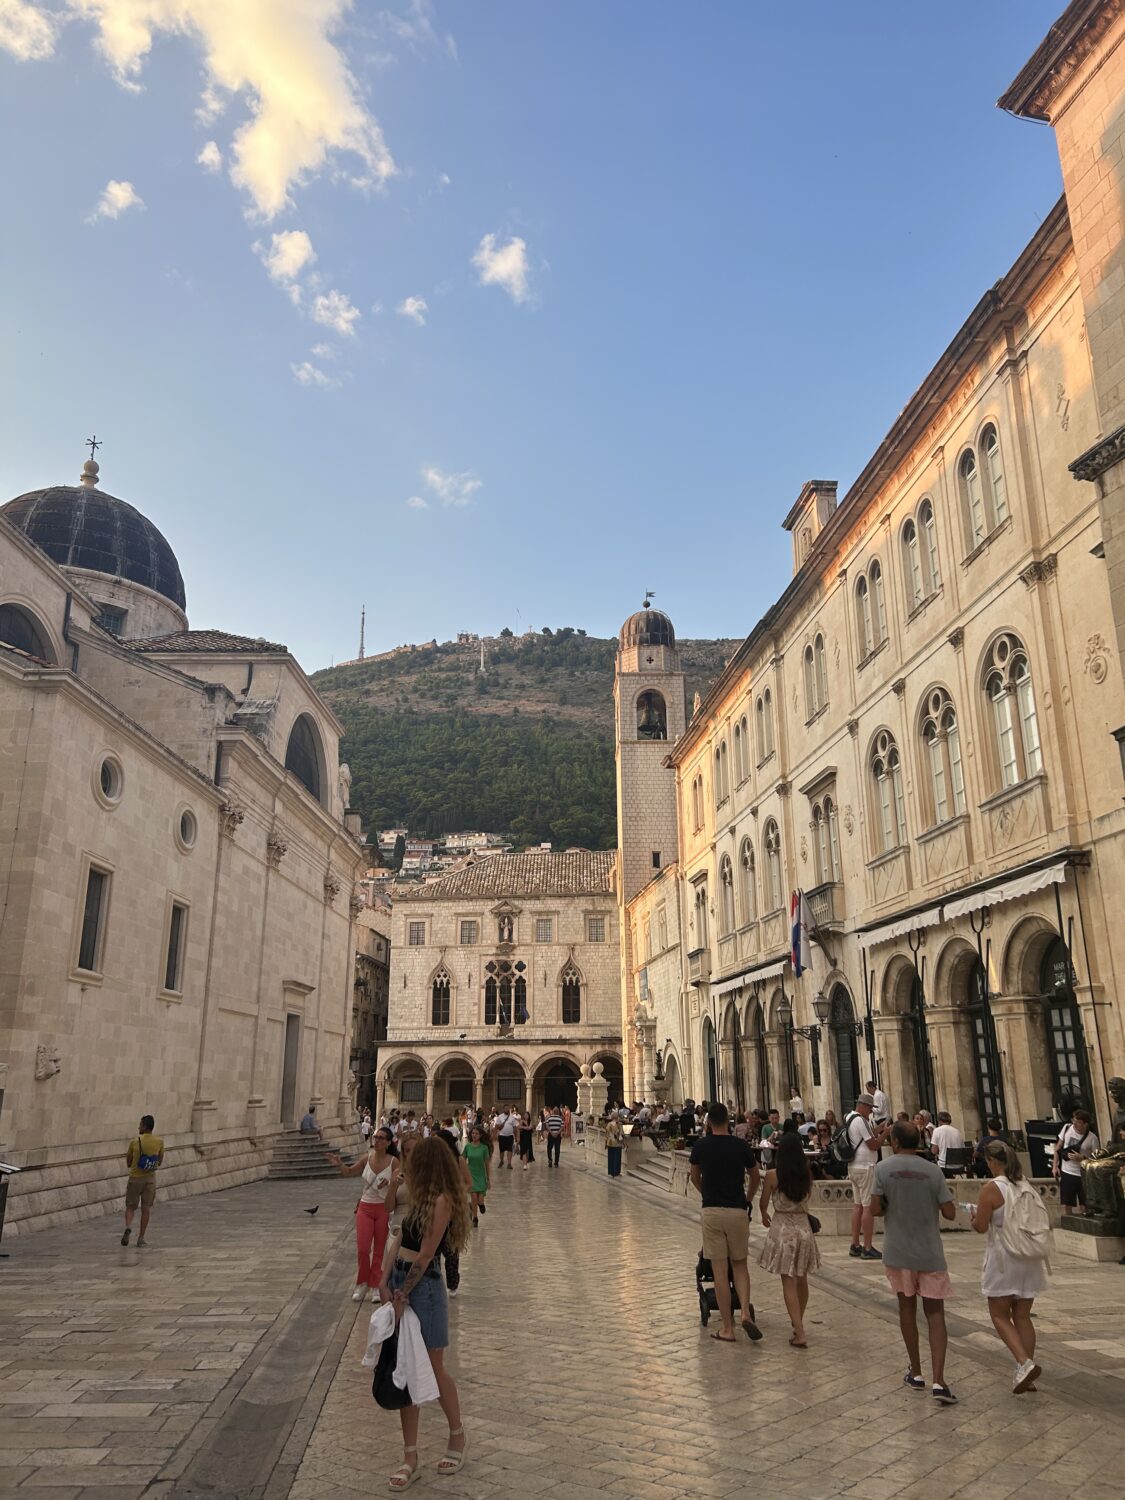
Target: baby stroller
{"x": 705, "y": 1286}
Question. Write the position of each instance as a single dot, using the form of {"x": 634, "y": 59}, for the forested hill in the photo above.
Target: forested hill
{"x": 524, "y": 748}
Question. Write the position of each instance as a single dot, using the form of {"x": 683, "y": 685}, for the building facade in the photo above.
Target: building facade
{"x": 505, "y": 982}
{"x": 919, "y": 735}
{"x": 370, "y": 1001}
{"x": 178, "y": 861}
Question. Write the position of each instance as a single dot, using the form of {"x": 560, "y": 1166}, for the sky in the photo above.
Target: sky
{"x": 491, "y": 313}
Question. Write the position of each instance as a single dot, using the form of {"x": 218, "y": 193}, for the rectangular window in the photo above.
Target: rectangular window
{"x": 416, "y": 934}
{"x": 661, "y": 928}
{"x": 412, "y": 1091}
{"x": 595, "y": 929}
{"x": 93, "y": 921}
{"x": 544, "y": 927}
{"x": 509, "y": 1088}
{"x": 174, "y": 959}
{"x": 460, "y": 1091}
{"x": 468, "y": 934}
{"x": 656, "y": 859}
{"x": 112, "y": 620}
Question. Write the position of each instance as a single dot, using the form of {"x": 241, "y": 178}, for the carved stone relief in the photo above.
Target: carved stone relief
{"x": 1096, "y": 661}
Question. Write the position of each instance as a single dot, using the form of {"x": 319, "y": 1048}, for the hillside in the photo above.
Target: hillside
{"x": 525, "y": 749}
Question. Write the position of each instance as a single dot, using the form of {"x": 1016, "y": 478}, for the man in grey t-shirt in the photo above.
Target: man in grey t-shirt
{"x": 910, "y": 1193}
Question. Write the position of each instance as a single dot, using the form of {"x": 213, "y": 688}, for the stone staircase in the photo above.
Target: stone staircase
{"x": 651, "y": 1167}
{"x": 301, "y": 1156}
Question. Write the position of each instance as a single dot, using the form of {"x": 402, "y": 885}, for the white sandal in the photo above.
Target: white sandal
{"x": 404, "y": 1476}
{"x": 454, "y": 1457}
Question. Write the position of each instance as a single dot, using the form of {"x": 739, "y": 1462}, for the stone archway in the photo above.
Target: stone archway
{"x": 673, "y": 1083}
{"x": 555, "y": 1081}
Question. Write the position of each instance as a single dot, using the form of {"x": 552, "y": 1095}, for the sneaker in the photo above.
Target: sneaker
{"x": 375, "y": 1297}
{"x": 359, "y": 1293}
{"x": 915, "y": 1382}
{"x": 855, "y": 1252}
{"x": 943, "y": 1394}
{"x": 483, "y": 1209}
{"x": 125, "y": 1237}
{"x": 453, "y": 1290}
{"x": 1025, "y": 1376}
{"x": 476, "y": 1223}
{"x": 871, "y": 1254}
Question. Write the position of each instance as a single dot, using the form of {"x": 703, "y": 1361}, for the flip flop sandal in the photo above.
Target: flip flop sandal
{"x": 720, "y": 1339}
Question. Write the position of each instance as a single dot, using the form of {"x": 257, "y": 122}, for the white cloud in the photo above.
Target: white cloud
{"x": 27, "y": 32}
{"x": 444, "y": 180}
{"x": 414, "y": 308}
{"x": 306, "y": 373}
{"x": 303, "y": 103}
{"x": 451, "y": 489}
{"x": 417, "y": 28}
{"x": 210, "y": 158}
{"x": 116, "y": 198}
{"x": 504, "y": 265}
{"x": 376, "y": 308}
{"x": 416, "y": 502}
{"x": 323, "y": 351}
{"x": 333, "y": 310}
{"x": 287, "y": 255}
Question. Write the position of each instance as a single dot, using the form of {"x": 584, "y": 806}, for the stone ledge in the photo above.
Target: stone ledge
{"x": 1102, "y": 1248}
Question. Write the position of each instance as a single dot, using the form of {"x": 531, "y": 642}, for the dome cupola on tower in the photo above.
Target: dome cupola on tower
{"x": 648, "y": 627}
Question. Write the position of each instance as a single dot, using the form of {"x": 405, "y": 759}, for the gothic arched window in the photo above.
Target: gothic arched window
{"x": 864, "y": 634}
{"x": 571, "y": 996}
{"x": 747, "y": 895}
{"x": 890, "y": 804}
{"x": 1015, "y": 723}
{"x": 941, "y": 741}
{"x": 774, "y": 890}
{"x": 303, "y": 755}
{"x": 726, "y": 893}
{"x": 439, "y": 999}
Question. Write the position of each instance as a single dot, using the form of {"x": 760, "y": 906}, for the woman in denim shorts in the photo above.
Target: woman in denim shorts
{"x": 438, "y": 1216}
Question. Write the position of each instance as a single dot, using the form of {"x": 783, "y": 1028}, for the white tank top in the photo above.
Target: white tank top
{"x": 375, "y": 1184}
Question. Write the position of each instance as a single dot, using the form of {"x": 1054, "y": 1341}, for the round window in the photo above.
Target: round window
{"x": 109, "y": 780}
{"x": 187, "y": 829}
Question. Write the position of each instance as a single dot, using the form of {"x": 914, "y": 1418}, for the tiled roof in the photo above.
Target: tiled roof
{"x": 221, "y": 642}
{"x": 573, "y": 873}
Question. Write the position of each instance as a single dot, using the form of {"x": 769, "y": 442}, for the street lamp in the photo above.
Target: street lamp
{"x": 810, "y": 1033}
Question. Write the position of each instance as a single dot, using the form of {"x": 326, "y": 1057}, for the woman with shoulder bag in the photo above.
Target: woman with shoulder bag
{"x": 614, "y": 1143}
{"x": 438, "y": 1216}
{"x": 379, "y": 1170}
{"x": 1009, "y": 1282}
{"x": 790, "y": 1251}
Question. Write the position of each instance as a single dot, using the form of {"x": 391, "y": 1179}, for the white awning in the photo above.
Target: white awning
{"x": 902, "y": 925}
{"x": 1009, "y": 890}
{"x": 752, "y": 976}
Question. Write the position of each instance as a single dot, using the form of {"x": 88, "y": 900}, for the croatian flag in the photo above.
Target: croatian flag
{"x": 800, "y": 954}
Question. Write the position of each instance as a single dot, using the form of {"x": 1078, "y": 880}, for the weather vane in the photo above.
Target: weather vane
{"x": 93, "y": 444}
{"x": 650, "y": 594}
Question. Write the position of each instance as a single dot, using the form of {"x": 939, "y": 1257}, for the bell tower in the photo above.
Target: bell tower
{"x": 648, "y": 692}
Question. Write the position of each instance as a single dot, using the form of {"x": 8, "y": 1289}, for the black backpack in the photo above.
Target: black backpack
{"x": 842, "y": 1148}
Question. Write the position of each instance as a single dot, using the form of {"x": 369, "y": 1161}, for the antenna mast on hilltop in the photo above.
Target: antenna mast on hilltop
{"x": 362, "y": 627}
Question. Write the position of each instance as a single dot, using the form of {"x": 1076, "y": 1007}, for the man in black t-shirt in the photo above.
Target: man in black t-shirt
{"x": 720, "y": 1163}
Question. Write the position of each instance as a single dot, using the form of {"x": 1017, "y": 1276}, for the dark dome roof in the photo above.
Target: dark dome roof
{"x": 80, "y": 526}
{"x": 648, "y": 627}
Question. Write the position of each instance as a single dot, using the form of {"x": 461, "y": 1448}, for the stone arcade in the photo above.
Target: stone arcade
{"x": 178, "y": 863}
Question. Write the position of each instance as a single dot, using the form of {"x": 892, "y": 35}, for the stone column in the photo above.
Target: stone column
{"x": 1022, "y": 1044}
{"x": 429, "y": 1096}
{"x": 478, "y": 1091}
{"x": 599, "y": 1091}
{"x": 584, "y": 1082}
{"x": 528, "y": 1094}
{"x": 891, "y": 1045}
{"x": 380, "y": 1100}
{"x": 954, "y": 1085}
{"x": 777, "y": 1069}
{"x": 726, "y": 1070}
{"x": 649, "y": 1094}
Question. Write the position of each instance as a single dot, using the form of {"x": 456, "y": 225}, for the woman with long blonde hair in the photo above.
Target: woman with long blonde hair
{"x": 438, "y": 1214}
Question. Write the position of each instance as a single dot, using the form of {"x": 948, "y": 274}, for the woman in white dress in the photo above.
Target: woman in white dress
{"x": 1010, "y": 1282}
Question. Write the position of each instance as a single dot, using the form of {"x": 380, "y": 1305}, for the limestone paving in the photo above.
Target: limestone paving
{"x": 225, "y": 1361}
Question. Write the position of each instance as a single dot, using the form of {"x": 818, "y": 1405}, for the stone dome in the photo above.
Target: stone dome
{"x": 648, "y": 627}
{"x": 80, "y": 526}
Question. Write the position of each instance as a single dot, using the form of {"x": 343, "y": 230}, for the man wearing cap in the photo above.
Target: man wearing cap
{"x": 865, "y": 1143}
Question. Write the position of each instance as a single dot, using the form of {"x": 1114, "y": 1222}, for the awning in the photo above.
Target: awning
{"x": 903, "y": 925}
{"x": 748, "y": 976}
{"x": 1008, "y": 890}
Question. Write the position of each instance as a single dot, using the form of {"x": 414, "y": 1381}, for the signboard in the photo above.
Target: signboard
{"x": 578, "y": 1128}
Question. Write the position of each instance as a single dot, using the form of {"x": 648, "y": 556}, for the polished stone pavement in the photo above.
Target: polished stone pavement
{"x": 225, "y": 1362}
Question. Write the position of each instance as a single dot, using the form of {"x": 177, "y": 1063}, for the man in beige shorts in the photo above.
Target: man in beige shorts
{"x": 720, "y": 1163}
{"x": 144, "y": 1156}
{"x": 865, "y": 1143}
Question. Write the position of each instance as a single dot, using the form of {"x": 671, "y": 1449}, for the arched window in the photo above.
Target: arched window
{"x": 303, "y": 755}
{"x": 722, "y": 774}
{"x": 652, "y": 716}
{"x": 1015, "y": 724}
{"x": 826, "y": 849}
{"x": 747, "y": 896}
{"x": 833, "y": 840}
{"x": 927, "y": 525}
{"x": 821, "y": 662}
{"x": 717, "y": 786}
{"x": 772, "y": 841}
{"x": 439, "y": 999}
{"x": 571, "y": 996}
{"x": 875, "y": 575}
{"x": 738, "y": 772}
{"x": 865, "y": 638}
{"x": 972, "y": 498}
{"x": 994, "y": 469}
{"x": 490, "y": 1007}
{"x": 890, "y": 805}
{"x": 760, "y": 715}
{"x": 701, "y": 934}
{"x": 697, "y": 803}
{"x": 941, "y": 740}
{"x": 767, "y": 704}
{"x": 1066, "y": 1042}
{"x": 912, "y": 565}
{"x": 726, "y": 892}
{"x": 811, "y": 704}
{"x": 522, "y": 1014}
{"x": 20, "y": 629}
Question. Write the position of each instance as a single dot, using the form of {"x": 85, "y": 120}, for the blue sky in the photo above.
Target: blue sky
{"x": 675, "y": 259}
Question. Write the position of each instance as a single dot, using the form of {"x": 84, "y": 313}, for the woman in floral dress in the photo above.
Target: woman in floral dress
{"x": 790, "y": 1251}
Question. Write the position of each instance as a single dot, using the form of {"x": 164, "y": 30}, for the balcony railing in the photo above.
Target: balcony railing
{"x": 826, "y": 904}
{"x": 699, "y": 965}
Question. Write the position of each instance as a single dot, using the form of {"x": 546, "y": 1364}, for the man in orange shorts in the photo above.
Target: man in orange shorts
{"x": 910, "y": 1193}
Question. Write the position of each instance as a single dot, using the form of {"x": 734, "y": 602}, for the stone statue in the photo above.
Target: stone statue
{"x": 1101, "y": 1174}
{"x": 1116, "y": 1088}
{"x": 345, "y": 783}
{"x": 506, "y": 929}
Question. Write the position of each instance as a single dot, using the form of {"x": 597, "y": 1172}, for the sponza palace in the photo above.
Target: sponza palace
{"x": 179, "y": 860}
{"x": 924, "y": 731}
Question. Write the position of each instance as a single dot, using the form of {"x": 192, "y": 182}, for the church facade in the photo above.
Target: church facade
{"x": 505, "y": 983}
{"x": 177, "y": 872}
{"x": 922, "y": 735}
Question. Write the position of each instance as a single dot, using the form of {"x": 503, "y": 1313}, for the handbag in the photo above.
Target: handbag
{"x": 383, "y": 1388}
{"x": 814, "y": 1223}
